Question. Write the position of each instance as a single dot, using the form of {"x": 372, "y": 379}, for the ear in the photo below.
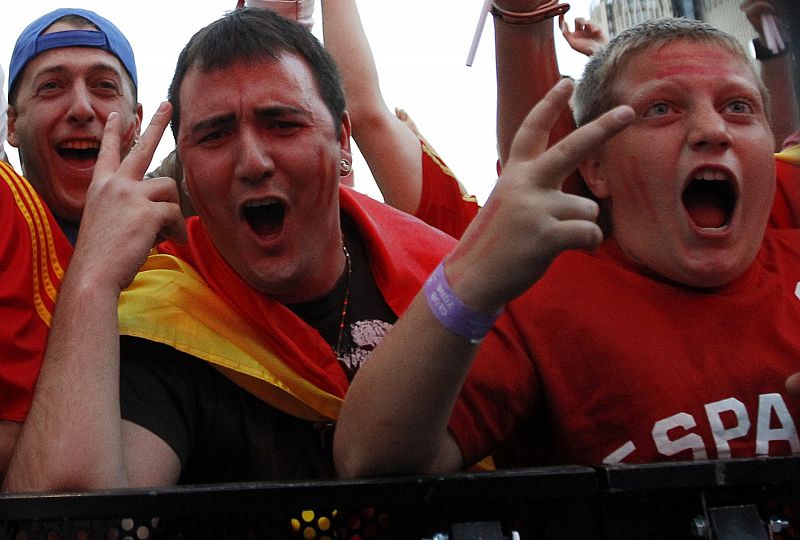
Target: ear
{"x": 344, "y": 139}
{"x": 12, "y": 127}
{"x": 138, "y": 119}
{"x": 592, "y": 174}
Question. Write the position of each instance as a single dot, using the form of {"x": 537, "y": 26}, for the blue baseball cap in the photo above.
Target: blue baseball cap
{"x": 31, "y": 42}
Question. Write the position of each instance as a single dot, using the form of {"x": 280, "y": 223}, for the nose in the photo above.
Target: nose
{"x": 709, "y": 130}
{"x": 255, "y": 162}
{"x": 81, "y": 110}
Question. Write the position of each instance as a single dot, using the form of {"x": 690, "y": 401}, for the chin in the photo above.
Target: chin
{"x": 69, "y": 213}
{"x": 710, "y": 278}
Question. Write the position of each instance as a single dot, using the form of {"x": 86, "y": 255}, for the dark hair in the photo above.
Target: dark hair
{"x": 250, "y": 35}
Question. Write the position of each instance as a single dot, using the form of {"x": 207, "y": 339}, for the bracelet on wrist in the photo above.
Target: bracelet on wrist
{"x": 452, "y": 313}
{"x": 545, "y": 11}
{"x": 763, "y": 52}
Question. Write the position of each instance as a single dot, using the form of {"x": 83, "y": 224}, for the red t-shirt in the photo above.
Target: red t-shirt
{"x": 786, "y": 208}
{"x": 600, "y": 363}
{"x": 442, "y": 204}
{"x": 33, "y": 256}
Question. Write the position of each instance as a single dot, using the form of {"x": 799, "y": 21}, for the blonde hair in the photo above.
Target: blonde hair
{"x": 593, "y": 95}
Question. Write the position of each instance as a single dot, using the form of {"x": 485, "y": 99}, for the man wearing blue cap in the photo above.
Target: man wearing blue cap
{"x": 59, "y": 102}
{"x": 3, "y": 117}
{"x": 69, "y": 71}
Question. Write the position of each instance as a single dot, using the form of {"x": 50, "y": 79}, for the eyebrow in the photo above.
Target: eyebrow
{"x": 737, "y": 85}
{"x": 647, "y": 89}
{"x": 59, "y": 68}
{"x": 277, "y": 111}
{"x": 213, "y": 122}
{"x": 227, "y": 119}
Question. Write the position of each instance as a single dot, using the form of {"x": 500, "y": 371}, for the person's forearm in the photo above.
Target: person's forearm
{"x": 346, "y": 40}
{"x": 526, "y": 70}
{"x": 401, "y": 429}
{"x": 391, "y": 150}
{"x": 777, "y": 76}
{"x": 395, "y": 414}
{"x": 71, "y": 439}
{"x": 9, "y": 431}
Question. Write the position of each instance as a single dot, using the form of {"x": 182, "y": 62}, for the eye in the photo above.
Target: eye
{"x": 212, "y": 137}
{"x": 110, "y": 85}
{"x": 48, "y": 87}
{"x": 658, "y": 109}
{"x": 739, "y": 106}
{"x": 284, "y": 125}
{"x": 106, "y": 87}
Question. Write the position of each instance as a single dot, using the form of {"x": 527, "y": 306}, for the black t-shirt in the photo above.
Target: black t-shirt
{"x": 220, "y": 432}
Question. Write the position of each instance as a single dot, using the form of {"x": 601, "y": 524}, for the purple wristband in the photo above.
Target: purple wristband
{"x": 452, "y": 313}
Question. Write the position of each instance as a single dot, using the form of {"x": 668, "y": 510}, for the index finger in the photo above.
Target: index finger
{"x": 562, "y": 23}
{"x": 108, "y": 157}
{"x": 565, "y": 156}
{"x": 533, "y": 134}
{"x": 140, "y": 156}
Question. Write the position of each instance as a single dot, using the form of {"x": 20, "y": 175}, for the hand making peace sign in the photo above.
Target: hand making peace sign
{"x": 528, "y": 220}
{"x": 125, "y": 216}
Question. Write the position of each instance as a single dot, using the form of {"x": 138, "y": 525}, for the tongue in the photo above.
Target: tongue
{"x": 79, "y": 159}
{"x": 265, "y": 220}
{"x": 264, "y": 227}
{"x": 81, "y": 163}
{"x": 706, "y": 211}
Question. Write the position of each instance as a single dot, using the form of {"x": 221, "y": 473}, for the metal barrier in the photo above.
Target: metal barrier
{"x": 734, "y": 499}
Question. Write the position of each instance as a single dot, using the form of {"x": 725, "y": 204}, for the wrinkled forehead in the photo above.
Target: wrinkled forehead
{"x": 287, "y": 77}
{"x": 682, "y": 57}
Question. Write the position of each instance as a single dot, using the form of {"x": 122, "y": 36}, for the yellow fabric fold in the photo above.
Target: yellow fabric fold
{"x": 170, "y": 303}
{"x": 790, "y": 155}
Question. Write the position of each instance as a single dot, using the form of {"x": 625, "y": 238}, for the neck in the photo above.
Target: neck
{"x": 69, "y": 229}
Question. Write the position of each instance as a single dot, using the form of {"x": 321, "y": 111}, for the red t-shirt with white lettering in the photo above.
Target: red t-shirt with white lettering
{"x": 600, "y": 363}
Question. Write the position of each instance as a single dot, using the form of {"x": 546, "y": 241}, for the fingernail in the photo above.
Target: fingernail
{"x": 623, "y": 114}
{"x": 563, "y": 84}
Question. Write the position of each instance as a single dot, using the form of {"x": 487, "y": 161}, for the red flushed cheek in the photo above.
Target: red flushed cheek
{"x": 324, "y": 186}
{"x": 128, "y": 137}
{"x": 637, "y": 187}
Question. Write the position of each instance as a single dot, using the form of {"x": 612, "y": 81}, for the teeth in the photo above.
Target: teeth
{"x": 259, "y": 204}
{"x": 80, "y": 145}
{"x": 710, "y": 174}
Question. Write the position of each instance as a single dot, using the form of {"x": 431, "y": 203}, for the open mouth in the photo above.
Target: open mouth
{"x": 79, "y": 151}
{"x": 710, "y": 199}
{"x": 265, "y": 217}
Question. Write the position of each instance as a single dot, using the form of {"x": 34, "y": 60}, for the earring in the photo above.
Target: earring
{"x": 344, "y": 167}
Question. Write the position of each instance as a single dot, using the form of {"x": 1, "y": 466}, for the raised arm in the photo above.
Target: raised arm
{"x": 391, "y": 150}
{"x": 587, "y": 38}
{"x": 776, "y": 73}
{"x": 526, "y": 70}
{"x": 73, "y": 437}
{"x": 395, "y": 415}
